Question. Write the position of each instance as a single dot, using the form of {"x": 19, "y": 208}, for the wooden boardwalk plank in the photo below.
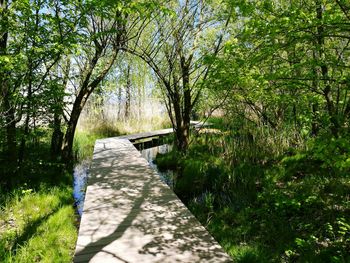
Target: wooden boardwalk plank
{"x": 130, "y": 215}
{"x": 144, "y": 135}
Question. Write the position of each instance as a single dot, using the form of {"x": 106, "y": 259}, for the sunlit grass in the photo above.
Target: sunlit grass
{"x": 84, "y": 142}
{"x": 37, "y": 226}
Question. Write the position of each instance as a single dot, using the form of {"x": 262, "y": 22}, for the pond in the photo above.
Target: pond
{"x": 81, "y": 174}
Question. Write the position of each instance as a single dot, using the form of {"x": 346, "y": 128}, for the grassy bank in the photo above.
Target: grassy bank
{"x": 267, "y": 198}
{"x": 38, "y": 225}
{"x": 38, "y": 222}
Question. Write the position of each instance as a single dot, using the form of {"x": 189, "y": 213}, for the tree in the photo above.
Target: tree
{"x": 173, "y": 46}
{"x": 107, "y": 29}
{"x": 289, "y": 63}
{"x": 33, "y": 42}
{"x": 104, "y": 36}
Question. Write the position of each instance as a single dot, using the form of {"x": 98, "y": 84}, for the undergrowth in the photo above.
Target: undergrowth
{"x": 266, "y": 198}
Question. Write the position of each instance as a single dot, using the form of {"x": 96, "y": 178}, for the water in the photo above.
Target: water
{"x": 80, "y": 174}
{"x": 150, "y": 155}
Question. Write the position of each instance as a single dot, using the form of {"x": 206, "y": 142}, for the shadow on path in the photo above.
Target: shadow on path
{"x": 120, "y": 230}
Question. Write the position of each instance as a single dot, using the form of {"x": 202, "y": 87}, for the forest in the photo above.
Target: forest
{"x": 269, "y": 178}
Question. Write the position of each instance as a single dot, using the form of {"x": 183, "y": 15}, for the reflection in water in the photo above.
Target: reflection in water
{"x": 150, "y": 155}
{"x": 81, "y": 173}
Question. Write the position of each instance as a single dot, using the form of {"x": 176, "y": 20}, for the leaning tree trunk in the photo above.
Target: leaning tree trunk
{"x": 87, "y": 87}
{"x": 67, "y": 146}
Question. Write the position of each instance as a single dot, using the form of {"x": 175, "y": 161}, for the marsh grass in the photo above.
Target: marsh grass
{"x": 115, "y": 127}
{"x": 93, "y": 128}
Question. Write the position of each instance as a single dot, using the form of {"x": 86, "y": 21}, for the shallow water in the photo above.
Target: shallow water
{"x": 150, "y": 155}
{"x": 80, "y": 174}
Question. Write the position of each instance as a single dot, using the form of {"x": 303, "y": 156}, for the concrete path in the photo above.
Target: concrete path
{"x": 130, "y": 215}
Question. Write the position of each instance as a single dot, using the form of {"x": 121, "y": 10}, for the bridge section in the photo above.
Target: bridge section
{"x": 130, "y": 215}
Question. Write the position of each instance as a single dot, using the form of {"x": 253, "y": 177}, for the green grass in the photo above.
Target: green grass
{"x": 38, "y": 222}
{"x": 84, "y": 142}
{"x": 37, "y": 225}
{"x": 267, "y": 198}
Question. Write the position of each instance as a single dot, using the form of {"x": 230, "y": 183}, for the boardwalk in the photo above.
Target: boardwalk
{"x": 131, "y": 216}
{"x": 145, "y": 135}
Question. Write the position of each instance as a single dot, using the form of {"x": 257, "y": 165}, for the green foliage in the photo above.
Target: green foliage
{"x": 326, "y": 156}
{"x": 334, "y": 153}
{"x": 272, "y": 185}
{"x": 281, "y": 65}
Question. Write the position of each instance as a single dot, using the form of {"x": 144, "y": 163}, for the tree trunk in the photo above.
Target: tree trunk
{"x": 187, "y": 107}
{"x": 7, "y": 107}
{"x": 28, "y": 114}
{"x": 180, "y": 134}
{"x": 57, "y": 135}
{"x": 324, "y": 71}
{"x": 87, "y": 87}
{"x": 10, "y": 123}
{"x": 128, "y": 93}
{"x": 26, "y": 127}
{"x": 67, "y": 146}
